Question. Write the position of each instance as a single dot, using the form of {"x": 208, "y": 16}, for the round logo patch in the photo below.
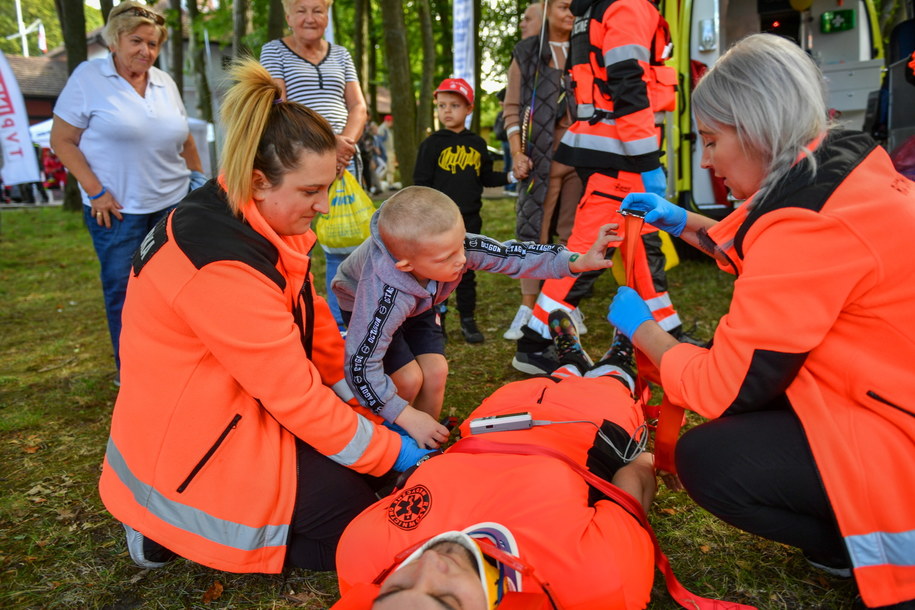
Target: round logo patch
{"x": 409, "y": 507}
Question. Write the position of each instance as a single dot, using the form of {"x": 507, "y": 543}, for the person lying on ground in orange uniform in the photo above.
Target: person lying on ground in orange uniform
{"x": 436, "y": 541}
{"x": 231, "y": 442}
{"x": 809, "y": 381}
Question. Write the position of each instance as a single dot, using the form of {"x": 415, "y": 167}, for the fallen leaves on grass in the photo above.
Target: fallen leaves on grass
{"x": 213, "y": 593}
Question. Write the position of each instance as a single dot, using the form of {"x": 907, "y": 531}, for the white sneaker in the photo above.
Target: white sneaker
{"x": 521, "y": 318}
{"x": 579, "y": 318}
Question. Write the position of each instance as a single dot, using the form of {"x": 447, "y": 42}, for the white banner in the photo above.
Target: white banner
{"x": 20, "y": 164}
{"x": 463, "y": 42}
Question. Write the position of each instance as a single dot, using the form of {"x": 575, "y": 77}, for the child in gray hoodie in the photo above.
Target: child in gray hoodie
{"x": 387, "y": 289}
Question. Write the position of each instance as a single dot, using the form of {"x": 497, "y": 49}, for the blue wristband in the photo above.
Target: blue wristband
{"x": 93, "y": 198}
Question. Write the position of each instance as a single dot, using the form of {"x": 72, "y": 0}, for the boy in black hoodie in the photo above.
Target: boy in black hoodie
{"x": 455, "y": 161}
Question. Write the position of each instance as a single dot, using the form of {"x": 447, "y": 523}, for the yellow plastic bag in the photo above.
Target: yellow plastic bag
{"x": 346, "y": 225}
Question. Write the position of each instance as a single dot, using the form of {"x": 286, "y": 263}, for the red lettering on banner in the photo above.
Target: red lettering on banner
{"x": 7, "y": 123}
{"x": 6, "y": 102}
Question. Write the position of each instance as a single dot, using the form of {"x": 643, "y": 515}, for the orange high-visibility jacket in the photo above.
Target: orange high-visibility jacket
{"x": 216, "y": 385}
{"x": 822, "y": 312}
{"x": 617, "y": 52}
{"x": 592, "y": 556}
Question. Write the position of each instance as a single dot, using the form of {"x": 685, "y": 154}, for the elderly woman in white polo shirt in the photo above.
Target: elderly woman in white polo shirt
{"x": 121, "y": 130}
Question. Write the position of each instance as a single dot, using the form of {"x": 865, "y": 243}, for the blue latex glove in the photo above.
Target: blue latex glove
{"x": 655, "y": 181}
{"x": 628, "y": 311}
{"x": 660, "y": 212}
{"x": 410, "y": 453}
{"x": 394, "y": 427}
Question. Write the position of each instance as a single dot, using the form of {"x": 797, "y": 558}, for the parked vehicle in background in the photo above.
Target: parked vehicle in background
{"x": 842, "y": 36}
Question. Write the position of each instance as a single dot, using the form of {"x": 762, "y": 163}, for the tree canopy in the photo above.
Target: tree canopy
{"x": 32, "y": 10}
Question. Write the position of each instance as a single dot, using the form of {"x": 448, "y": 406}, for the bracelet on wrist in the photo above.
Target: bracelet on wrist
{"x": 94, "y": 197}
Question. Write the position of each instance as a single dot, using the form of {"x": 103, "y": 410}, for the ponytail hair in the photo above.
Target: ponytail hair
{"x": 774, "y": 96}
{"x": 264, "y": 133}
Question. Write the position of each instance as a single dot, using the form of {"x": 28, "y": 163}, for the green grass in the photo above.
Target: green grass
{"x": 59, "y": 548}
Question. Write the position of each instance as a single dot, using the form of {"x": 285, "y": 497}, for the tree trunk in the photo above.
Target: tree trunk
{"x": 477, "y": 52}
{"x": 276, "y": 20}
{"x": 359, "y": 47}
{"x": 176, "y": 44}
{"x": 427, "y": 84}
{"x": 197, "y": 53}
{"x": 73, "y": 25}
{"x": 239, "y": 26}
{"x": 403, "y": 103}
{"x": 105, "y": 6}
{"x": 442, "y": 9}
{"x": 373, "y": 59}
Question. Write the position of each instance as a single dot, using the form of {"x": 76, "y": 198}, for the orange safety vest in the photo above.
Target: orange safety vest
{"x": 822, "y": 313}
{"x": 617, "y": 54}
{"x": 591, "y": 556}
{"x": 216, "y": 388}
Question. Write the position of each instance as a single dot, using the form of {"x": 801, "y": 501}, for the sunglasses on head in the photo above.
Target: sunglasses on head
{"x": 142, "y": 12}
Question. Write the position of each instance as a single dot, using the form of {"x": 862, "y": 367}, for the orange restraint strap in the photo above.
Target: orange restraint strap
{"x": 677, "y": 591}
{"x": 669, "y": 416}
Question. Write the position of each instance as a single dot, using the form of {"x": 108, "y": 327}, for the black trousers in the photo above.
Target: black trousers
{"x": 467, "y": 289}
{"x": 755, "y": 471}
{"x": 329, "y": 496}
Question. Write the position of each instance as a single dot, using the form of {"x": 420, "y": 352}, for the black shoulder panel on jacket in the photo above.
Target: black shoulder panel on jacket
{"x": 769, "y": 375}
{"x": 836, "y": 157}
{"x": 207, "y": 232}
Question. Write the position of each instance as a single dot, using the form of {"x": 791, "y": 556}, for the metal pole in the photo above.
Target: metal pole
{"x": 21, "y": 25}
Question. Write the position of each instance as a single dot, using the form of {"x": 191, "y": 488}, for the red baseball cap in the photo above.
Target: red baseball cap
{"x": 456, "y": 85}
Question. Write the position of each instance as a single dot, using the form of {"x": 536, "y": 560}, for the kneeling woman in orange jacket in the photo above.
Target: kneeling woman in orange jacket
{"x": 809, "y": 378}
{"x": 232, "y": 443}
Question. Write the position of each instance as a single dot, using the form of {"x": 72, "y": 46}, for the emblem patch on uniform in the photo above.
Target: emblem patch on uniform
{"x": 410, "y": 507}
{"x": 154, "y": 240}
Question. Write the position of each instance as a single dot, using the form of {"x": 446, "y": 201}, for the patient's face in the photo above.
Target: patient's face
{"x": 443, "y": 577}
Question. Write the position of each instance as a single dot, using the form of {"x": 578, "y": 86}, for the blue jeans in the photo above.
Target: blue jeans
{"x": 333, "y": 261}
{"x": 114, "y": 248}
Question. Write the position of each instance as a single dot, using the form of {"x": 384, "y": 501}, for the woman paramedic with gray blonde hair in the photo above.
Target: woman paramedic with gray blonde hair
{"x": 809, "y": 381}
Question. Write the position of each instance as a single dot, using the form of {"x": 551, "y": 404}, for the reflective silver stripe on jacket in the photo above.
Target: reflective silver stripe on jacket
{"x": 585, "y": 112}
{"x": 357, "y": 445}
{"x": 882, "y": 548}
{"x": 194, "y": 520}
{"x": 343, "y": 391}
{"x": 627, "y": 51}
{"x": 610, "y": 145}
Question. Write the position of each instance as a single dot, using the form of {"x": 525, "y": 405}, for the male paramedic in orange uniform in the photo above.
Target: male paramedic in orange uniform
{"x": 433, "y": 540}
{"x": 621, "y": 88}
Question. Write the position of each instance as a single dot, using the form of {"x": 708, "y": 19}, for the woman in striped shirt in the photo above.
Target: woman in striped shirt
{"x": 320, "y": 75}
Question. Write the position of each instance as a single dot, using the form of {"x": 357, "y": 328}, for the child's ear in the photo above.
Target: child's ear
{"x": 403, "y": 265}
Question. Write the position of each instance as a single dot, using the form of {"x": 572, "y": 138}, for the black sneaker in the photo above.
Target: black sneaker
{"x": 859, "y": 604}
{"x": 620, "y": 355}
{"x": 566, "y": 340}
{"x": 146, "y": 553}
{"x": 470, "y": 331}
{"x": 834, "y": 566}
{"x": 536, "y": 363}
